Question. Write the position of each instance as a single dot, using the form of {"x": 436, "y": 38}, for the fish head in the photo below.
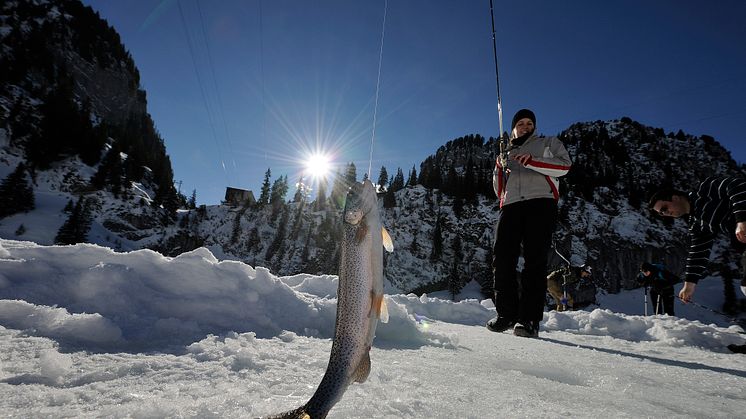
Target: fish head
{"x": 361, "y": 199}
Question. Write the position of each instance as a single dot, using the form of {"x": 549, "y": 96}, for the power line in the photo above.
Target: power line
{"x": 202, "y": 90}
{"x": 214, "y": 81}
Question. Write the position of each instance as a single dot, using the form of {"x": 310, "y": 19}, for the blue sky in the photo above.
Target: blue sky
{"x": 236, "y": 87}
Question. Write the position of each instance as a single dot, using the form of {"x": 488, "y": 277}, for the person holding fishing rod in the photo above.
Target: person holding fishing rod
{"x": 525, "y": 181}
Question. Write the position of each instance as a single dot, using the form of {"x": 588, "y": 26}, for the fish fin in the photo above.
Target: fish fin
{"x": 383, "y": 311}
{"x": 375, "y": 304}
{"x": 378, "y": 307}
{"x": 388, "y": 244}
{"x": 362, "y": 230}
{"x": 363, "y": 368}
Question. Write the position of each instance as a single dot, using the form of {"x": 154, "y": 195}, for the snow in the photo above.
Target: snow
{"x": 89, "y": 332}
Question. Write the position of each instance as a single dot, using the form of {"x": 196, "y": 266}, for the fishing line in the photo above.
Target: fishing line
{"x": 378, "y": 85}
{"x": 261, "y": 75}
{"x": 497, "y": 81}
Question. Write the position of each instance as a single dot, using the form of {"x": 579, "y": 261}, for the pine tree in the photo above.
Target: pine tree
{"x": 75, "y": 228}
{"x": 469, "y": 188}
{"x": 455, "y": 284}
{"x": 16, "y": 195}
{"x": 279, "y": 239}
{"x": 184, "y": 221}
{"x": 389, "y": 199}
{"x": 298, "y": 221}
{"x": 264, "y": 195}
{"x": 414, "y": 247}
{"x": 300, "y": 191}
{"x": 236, "y": 231}
{"x": 279, "y": 190}
{"x": 320, "y": 202}
{"x": 110, "y": 171}
{"x": 59, "y": 125}
{"x": 350, "y": 175}
{"x": 456, "y": 248}
{"x": 253, "y": 241}
{"x": 342, "y": 184}
{"x": 412, "y": 181}
{"x": 425, "y": 170}
{"x": 458, "y": 206}
{"x": 398, "y": 183}
{"x": 453, "y": 182}
{"x": 277, "y": 195}
{"x": 307, "y": 247}
{"x": 383, "y": 179}
{"x": 192, "y": 202}
{"x": 437, "y": 241}
{"x": 165, "y": 193}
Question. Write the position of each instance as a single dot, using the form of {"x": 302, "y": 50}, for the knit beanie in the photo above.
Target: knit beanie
{"x": 523, "y": 113}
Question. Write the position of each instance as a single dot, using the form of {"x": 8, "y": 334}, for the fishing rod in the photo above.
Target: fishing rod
{"x": 565, "y": 298}
{"x": 503, "y": 141}
{"x": 554, "y": 246}
{"x": 730, "y": 317}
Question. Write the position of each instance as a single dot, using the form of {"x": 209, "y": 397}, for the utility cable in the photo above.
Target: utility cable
{"x": 202, "y": 90}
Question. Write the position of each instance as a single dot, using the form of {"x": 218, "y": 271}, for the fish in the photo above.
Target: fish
{"x": 360, "y": 302}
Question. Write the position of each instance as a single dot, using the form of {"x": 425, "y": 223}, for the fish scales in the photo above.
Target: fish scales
{"x": 359, "y": 299}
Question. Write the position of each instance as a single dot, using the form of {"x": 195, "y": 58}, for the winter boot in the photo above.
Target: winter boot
{"x": 526, "y": 329}
{"x": 500, "y": 324}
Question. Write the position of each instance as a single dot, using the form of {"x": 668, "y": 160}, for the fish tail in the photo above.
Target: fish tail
{"x": 299, "y": 413}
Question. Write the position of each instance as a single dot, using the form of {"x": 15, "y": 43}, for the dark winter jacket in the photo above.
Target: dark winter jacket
{"x": 660, "y": 278}
{"x": 514, "y": 182}
{"x": 717, "y": 205}
{"x": 565, "y": 276}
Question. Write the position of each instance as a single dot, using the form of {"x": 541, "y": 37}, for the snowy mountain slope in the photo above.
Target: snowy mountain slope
{"x": 603, "y": 217}
{"x": 442, "y": 222}
{"x": 73, "y": 114}
{"x": 116, "y": 222}
{"x": 61, "y": 355}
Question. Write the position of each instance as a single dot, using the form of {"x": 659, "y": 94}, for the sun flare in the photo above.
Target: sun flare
{"x": 318, "y": 166}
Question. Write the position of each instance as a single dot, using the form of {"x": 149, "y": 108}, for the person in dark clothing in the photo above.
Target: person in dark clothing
{"x": 660, "y": 282}
{"x": 558, "y": 281}
{"x": 525, "y": 182}
{"x": 717, "y": 206}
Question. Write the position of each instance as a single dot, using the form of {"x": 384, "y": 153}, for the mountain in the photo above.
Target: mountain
{"x": 442, "y": 221}
{"x": 74, "y": 115}
{"x": 81, "y": 161}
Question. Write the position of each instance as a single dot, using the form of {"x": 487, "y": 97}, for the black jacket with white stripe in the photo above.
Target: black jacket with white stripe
{"x": 717, "y": 205}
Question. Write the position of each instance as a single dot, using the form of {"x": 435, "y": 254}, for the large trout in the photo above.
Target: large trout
{"x": 360, "y": 301}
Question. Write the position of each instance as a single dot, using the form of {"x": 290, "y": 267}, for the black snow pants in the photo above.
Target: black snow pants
{"x": 531, "y": 224}
{"x": 662, "y": 300}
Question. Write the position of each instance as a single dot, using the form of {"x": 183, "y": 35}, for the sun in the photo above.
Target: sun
{"x": 318, "y": 166}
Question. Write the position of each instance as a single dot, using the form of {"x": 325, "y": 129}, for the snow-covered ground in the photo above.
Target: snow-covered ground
{"x": 87, "y": 332}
